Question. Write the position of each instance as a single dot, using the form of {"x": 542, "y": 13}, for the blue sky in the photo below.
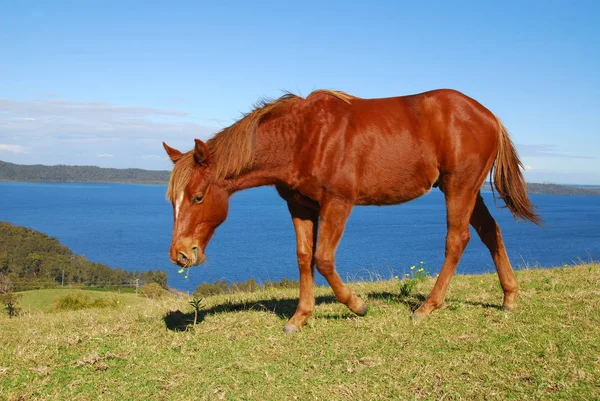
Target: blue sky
{"x": 105, "y": 82}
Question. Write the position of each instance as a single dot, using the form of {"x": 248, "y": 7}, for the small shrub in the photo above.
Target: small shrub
{"x": 78, "y": 301}
{"x": 249, "y": 285}
{"x": 207, "y": 289}
{"x": 10, "y": 303}
{"x": 72, "y": 302}
{"x": 410, "y": 280}
{"x": 407, "y": 286}
{"x": 153, "y": 291}
{"x": 197, "y": 304}
{"x": 283, "y": 283}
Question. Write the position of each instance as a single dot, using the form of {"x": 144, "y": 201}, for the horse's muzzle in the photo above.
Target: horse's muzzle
{"x": 186, "y": 259}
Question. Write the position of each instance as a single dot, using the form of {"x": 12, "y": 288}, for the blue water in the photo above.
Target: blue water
{"x": 129, "y": 226}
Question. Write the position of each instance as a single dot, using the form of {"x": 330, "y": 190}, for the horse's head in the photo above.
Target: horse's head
{"x": 200, "y": 203}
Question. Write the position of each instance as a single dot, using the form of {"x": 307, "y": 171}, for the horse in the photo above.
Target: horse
{"x": 331, "y": 151}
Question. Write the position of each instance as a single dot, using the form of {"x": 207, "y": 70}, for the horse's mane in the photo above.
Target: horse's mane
{"x": 232, "y": 148}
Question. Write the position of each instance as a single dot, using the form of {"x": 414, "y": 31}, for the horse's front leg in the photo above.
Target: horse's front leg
{"x": 333, "y": 216}
{"x": 305, "y": 223}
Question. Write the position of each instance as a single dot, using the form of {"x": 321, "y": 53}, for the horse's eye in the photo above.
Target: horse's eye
{"x": 197, "y": 199}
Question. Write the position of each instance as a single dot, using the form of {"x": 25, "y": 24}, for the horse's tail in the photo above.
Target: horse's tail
{"x": 509, "y": 180}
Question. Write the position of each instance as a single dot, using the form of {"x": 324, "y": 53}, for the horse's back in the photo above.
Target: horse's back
{"x": 391, "y": 150}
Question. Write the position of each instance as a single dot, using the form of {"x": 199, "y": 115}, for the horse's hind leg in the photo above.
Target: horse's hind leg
{"x": 459, "y": 206}
{"x": 489, "y": 232}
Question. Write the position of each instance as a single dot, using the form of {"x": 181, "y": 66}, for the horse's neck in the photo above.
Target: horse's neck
{"x": 273, "y": 156}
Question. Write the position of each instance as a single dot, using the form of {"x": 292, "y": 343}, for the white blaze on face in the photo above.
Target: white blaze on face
{"x": 178, "y": 202}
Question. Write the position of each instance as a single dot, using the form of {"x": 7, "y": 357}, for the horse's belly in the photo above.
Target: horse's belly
{"x": 391, "y": 195}
{"x": 400, "y": 184}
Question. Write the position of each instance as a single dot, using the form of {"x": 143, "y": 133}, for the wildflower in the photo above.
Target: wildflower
{"x": 180, "y": 271}
{"x": 480, "y": 281}
{"x": 420, "y": 270}
{"x": 407, "y": 275}
{"x": 396, "y": 277}
{"x": 421, "y": 262}
{"x": 412, "y": 267}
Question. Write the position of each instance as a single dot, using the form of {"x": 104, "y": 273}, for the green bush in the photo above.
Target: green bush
{"x": 283, "y": 283}
{"x": 207, "y": 289}
{"x": 153, "y": 291}
{"x": 78, "y": 301}
{"x": 9, "y": 300}
{"x": 249, "y": 285}
{"x": 72, "y": 302}
{"x": 407, "y": 286}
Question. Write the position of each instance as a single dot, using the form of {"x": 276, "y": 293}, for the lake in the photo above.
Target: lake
{"x": 129, "y": 226}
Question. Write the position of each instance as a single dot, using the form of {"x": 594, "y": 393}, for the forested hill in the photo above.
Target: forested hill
{"x": 30, "y": 259}
{"x": 555, "y": 189}
{"x": 62, "y": 173}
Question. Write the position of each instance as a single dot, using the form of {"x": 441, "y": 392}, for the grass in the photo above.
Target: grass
{"x": 43, "y": 300}
{"x": 469, "y": 350}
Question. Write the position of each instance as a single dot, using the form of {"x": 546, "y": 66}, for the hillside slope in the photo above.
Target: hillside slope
{"x": 469, "y": 350}
{"x": 32, "y": 259}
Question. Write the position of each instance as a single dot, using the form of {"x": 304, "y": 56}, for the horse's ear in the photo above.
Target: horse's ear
{"x": 201, "y": 153}
{"x": 173, "y": 153}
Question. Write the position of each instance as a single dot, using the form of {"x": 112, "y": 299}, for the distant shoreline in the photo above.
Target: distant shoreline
{"x": 33, "y": 181}
{"x": 89, "y": 174}
{"x": 10, "y": 172}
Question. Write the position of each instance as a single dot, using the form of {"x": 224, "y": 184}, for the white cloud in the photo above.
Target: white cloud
{"x": 13, "y": 148}
{"x": 64, "y": 107}
{"x": 62, "y": 119}
{"x": 547, "y": 151}
{"x": 62, "y": 131}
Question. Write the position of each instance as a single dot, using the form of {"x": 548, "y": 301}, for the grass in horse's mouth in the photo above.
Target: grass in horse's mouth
{"x": 188, "y": 266}
{"x": 185, "y": 269}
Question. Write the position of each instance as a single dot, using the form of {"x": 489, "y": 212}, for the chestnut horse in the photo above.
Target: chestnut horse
{"x": 331, "y": 151}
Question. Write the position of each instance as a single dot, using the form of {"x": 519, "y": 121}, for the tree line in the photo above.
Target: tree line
{"x": 30, "y": 260}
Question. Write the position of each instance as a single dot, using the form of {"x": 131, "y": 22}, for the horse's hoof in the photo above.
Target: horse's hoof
{"x": 418, "y": 316}
{"x": 290, "y": 328}
{"x": 509, "y": 308}
{"x": 362, "y": 309}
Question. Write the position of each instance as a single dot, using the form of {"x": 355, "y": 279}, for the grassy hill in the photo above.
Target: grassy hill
{"x": 146, "y": 349}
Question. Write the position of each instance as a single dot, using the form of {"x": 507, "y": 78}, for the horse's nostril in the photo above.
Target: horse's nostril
{"x": 181, "y": 258}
